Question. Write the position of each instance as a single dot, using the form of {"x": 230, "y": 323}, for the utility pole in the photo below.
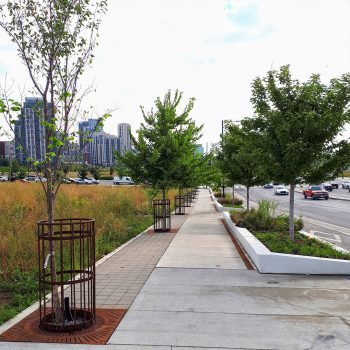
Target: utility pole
{"x": 223, "y": 155}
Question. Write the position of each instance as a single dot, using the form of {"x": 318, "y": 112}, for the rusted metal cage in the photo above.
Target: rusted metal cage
{"x": 180, "y": 207}
{"x": 161, "y": 215}
{"x": 193, "y": 196}
{"x": 187, "y": 200}
{"x": 66, "y": 251}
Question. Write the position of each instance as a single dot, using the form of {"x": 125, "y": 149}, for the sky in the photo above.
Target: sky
{"x": 208, "y": 49}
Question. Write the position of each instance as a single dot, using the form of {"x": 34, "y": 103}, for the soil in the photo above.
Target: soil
{"x": 5, "y": 297}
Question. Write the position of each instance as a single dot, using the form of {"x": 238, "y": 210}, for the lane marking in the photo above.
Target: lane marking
{"x": 321, "y": 235}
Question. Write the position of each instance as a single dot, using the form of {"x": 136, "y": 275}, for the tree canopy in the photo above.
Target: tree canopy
{"x": 164, "y": 149}
{"x": 300, "y": 127}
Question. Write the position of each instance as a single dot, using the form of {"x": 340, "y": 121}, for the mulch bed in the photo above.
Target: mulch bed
{"x": 173, "y": 230}
{"x": 28, "y": 330}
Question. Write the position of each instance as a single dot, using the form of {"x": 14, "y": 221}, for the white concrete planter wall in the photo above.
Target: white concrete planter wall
{"x": 269, "y": 262}
{"x": 219, "y": 206}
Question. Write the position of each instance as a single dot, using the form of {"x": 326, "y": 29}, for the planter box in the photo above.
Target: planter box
{"x": 269, "y": 262}
{"x": 221, "y": 208}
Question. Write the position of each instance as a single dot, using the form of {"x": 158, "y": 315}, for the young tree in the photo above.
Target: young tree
{"x": 83, "y": 171}
{"x": 95, "y": 172}
{"x": 300, "y": 125}
{"x": 240, "y": 159}
{"x": 55, "y": 40}
{"x": 161, "y": 143}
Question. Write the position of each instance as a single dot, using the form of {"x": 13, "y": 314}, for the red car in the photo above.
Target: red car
{"x": 315, "y": 192}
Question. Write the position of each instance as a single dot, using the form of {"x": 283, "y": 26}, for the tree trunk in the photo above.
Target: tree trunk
{"x": 164, "y": 210}
{"x": 291, "y": 211}
{"x": 248, "y": 198}
{"x": 223, "y": 190}
{"x": 233, "y": 195}
{"x": 50, "y": 199}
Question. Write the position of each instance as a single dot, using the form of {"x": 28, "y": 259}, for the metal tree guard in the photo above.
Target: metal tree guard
{"x": 68, "y": 274}
{"x": 161, "y": 215}
{"x": 187, "y": 200}
{"x": 180, "y": 205}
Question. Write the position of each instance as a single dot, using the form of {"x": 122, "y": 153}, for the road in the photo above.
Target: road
{"x": 328, "y": 219}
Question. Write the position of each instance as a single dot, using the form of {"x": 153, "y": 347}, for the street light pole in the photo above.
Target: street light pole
{"x": 223, "y": 155}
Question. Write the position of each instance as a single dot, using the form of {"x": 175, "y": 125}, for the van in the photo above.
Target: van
{"x": 125, "y": 180}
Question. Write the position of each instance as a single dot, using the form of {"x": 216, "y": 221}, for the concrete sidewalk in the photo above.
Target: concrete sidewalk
{"x": 201, "y": 296}
{"x": 212, "y": 301}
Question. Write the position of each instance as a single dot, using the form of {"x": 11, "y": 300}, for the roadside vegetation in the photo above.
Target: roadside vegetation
{"x": 120, "y": 213}
{"x": 271, "y": 229}
{"x": 228, "y": 201}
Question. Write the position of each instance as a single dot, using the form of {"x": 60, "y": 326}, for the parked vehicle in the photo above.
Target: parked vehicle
{"x": 93, "y": 181}
{"x": 125, "y": 180}
{"x": 315, "y": 192}
{"x": 335, "y": 185}
{"x": 65, "y": 180}
{"x": 281, "y": 190}
{"x": 30, "y": 178}
{"x": 268, "y": 186}
{"x": 328, "y": 187}
{"x": 3, "y": 178}
{"x": 346, "y": 184}
{"x": 79, "y": 181}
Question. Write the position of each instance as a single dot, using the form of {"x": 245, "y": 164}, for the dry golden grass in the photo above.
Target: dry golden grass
{"x": 120, "y": 213}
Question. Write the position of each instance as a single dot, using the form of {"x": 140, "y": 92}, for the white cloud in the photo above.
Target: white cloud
{"x": 211, "y": 50}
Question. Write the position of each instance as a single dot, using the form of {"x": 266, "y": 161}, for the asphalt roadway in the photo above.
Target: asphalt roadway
{"x": 327, "y": 219}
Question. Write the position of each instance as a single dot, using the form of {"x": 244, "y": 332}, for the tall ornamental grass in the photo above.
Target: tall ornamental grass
{"x": 120, "y": 213}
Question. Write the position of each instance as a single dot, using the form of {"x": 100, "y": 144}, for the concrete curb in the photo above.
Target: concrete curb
{"x": 269, "y": 262}
{"x": 219, "y": 207}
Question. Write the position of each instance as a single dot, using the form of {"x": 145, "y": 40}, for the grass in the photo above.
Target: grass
{"x": 272, "y": 230}
{"x": 120, "y": 214}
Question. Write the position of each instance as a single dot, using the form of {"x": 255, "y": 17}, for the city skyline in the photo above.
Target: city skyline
{"x": 212, "y": 54}
{"x": 94, "y": 145}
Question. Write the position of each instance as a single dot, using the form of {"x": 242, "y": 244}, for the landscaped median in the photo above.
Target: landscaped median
{"x": 267, "y": 261}
{"x": 227, "y": 205}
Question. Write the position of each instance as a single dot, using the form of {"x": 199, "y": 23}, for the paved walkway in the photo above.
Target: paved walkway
{"x": 201, "y": 296}
{"x": 120, "y": 278}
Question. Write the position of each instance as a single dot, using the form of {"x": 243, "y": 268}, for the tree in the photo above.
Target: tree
{"x": 300, "y": 125}
{"x": 65, "y": 169}
{"x": 161, "y": 144}
{"x": 95, "y": 172}
{"x": 55, "y": 41}
{"x": 83, "y": 171}
{"x": 240, "y": 160}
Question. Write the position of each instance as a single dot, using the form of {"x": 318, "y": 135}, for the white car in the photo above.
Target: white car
{"x": 281, "y": 190}
{"x": 346, "y": 184}
{"x": 125, "y": 180}
{"x": 3, "y": 178}
{"x": 79, "y": 181}
{"x": 93, "y": 181}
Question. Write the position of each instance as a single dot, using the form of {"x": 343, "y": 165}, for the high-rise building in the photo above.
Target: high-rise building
{"x": 124, "y": 130}
{"x": 86, "y": 130}
{"x": 2, "y": 149}
{"x": 103, "y": 146}
{"x": 29, "y": 131}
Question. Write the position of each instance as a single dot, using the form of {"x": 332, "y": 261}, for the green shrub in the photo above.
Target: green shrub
{"x": 106, "y": 177}
{"x": 280, "y": 243}
{"x": 264, "y": 219}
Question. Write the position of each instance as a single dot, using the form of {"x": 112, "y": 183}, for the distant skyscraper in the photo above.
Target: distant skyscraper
{"x": 103, "y": 146}
{"x": 29, "y": 132}
{"x": 124, "y": 130}
{"x": 86, "y": 129}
